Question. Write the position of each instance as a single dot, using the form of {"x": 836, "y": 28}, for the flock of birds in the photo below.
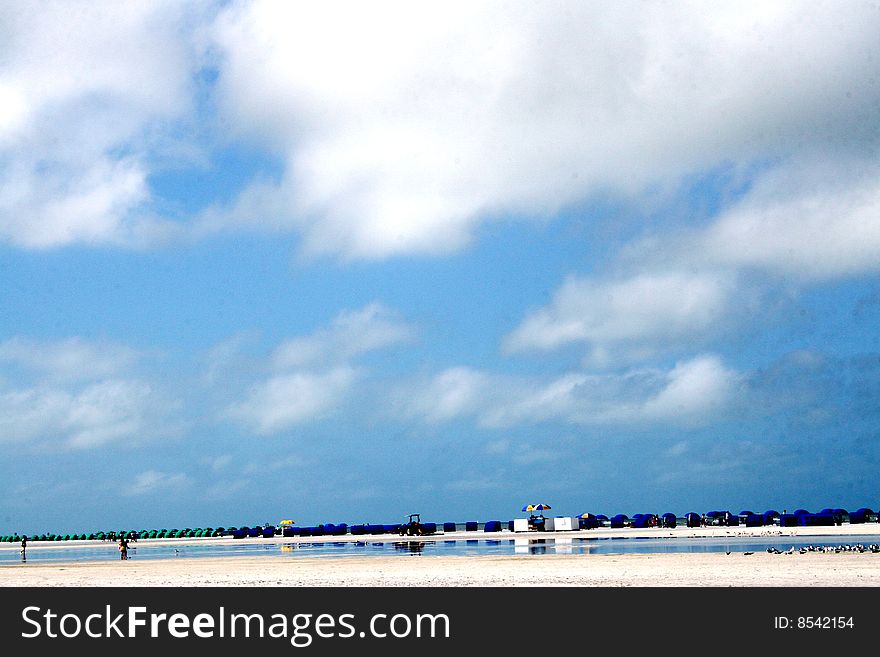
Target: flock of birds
{"x": 835, "y": 549}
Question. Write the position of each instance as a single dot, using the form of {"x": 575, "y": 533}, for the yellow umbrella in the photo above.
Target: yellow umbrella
{"x": 286, "y": 522}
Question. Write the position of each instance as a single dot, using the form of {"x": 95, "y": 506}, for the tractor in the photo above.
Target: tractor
{"x": 413, "y": 527}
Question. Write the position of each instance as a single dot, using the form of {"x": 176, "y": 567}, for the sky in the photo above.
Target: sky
{"x": 343, "y": 262}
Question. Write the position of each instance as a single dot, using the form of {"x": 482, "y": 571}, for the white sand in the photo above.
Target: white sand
{"x": 682, "y": 569}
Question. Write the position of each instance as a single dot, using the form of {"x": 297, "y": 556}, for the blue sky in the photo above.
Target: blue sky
{"x": 342, "y": 264}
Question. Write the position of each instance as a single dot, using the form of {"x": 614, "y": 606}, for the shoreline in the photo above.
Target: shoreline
{"x": 595, "y": 570}
{"x": 872, "y": 529}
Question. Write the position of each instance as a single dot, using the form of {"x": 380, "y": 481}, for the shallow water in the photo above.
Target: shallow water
{"x": 435, "y": 547}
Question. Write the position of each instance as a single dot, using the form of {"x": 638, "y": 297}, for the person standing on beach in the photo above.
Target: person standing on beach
{"x": 24, "y": 548}
{"x": 123, "y": 549}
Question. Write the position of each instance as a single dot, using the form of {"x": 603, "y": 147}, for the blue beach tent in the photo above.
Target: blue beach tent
{"x": 449, "y": 526}
{"x": 771, "y": 517}
{"x": 670, "y": 520}
{"x": 815, "y": 519}
{"x": 471, "y": 526}
{"x": 692, "y": 519}
{"x": 588, "y": 521}
{"x": 492, "y": 526}
{"x": 619, "y": 521}
{"x": 753, "y": 520}
{"x": 860, "y": 516}
{"x": 788, "y": 520}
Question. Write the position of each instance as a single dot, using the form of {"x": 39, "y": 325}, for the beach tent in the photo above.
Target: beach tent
{"x": 449, "y": 526}
{"x": 642, "y": 520}
{"x": 471, "y": 526}
{"x": 860, "y": 516}
{"x": 815, "y": 519}
{"x": 693, "y": 519}
{"x": 492, "y": 526}
{"x": 619, "y": 521}
{"x": 588, "y": 521}
{"x": 788, "y": 520}
{"x": 670, "y": 520}
{"x": 770, "y": 517}
{"x": 752, "y": 520}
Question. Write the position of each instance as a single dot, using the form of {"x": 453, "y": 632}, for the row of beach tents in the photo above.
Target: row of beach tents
{"x": 800, "y": 517}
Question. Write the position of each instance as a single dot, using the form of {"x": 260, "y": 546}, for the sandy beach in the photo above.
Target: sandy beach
{"x": 737, "y": 569}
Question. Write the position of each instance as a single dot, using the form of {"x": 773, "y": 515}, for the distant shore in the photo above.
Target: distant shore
{"x": 681, "y": 569}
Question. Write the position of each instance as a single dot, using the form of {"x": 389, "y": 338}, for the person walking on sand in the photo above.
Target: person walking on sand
{"x": 123, "y": 549}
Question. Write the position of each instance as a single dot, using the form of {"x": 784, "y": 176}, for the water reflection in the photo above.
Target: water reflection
{"x": 448, "y": 547}
{"x": 412, "y": 547}
{"x": 530, "y": 546}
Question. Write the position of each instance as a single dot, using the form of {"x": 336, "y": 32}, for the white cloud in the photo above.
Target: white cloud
{"x": 312, "y": 375}
{"x": 454, "y": 392}
{"x": 87, "y": 93}
{"x": 77, "y": 394}
{"x": 152, "y": 481}
{"x": 399, "y": 127}
{"x": 290, "y": 399}
{"x": 694, "y": 390}
{"x": 807, "y": 224}
{"x": 402, "y": 126}
{"x": 350, "y": 334}
{"x": 68, "y": 359}
{"x": 692, "y": 393}
{"x": 93, "y": 416}
{"x": 630, "y": 317}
